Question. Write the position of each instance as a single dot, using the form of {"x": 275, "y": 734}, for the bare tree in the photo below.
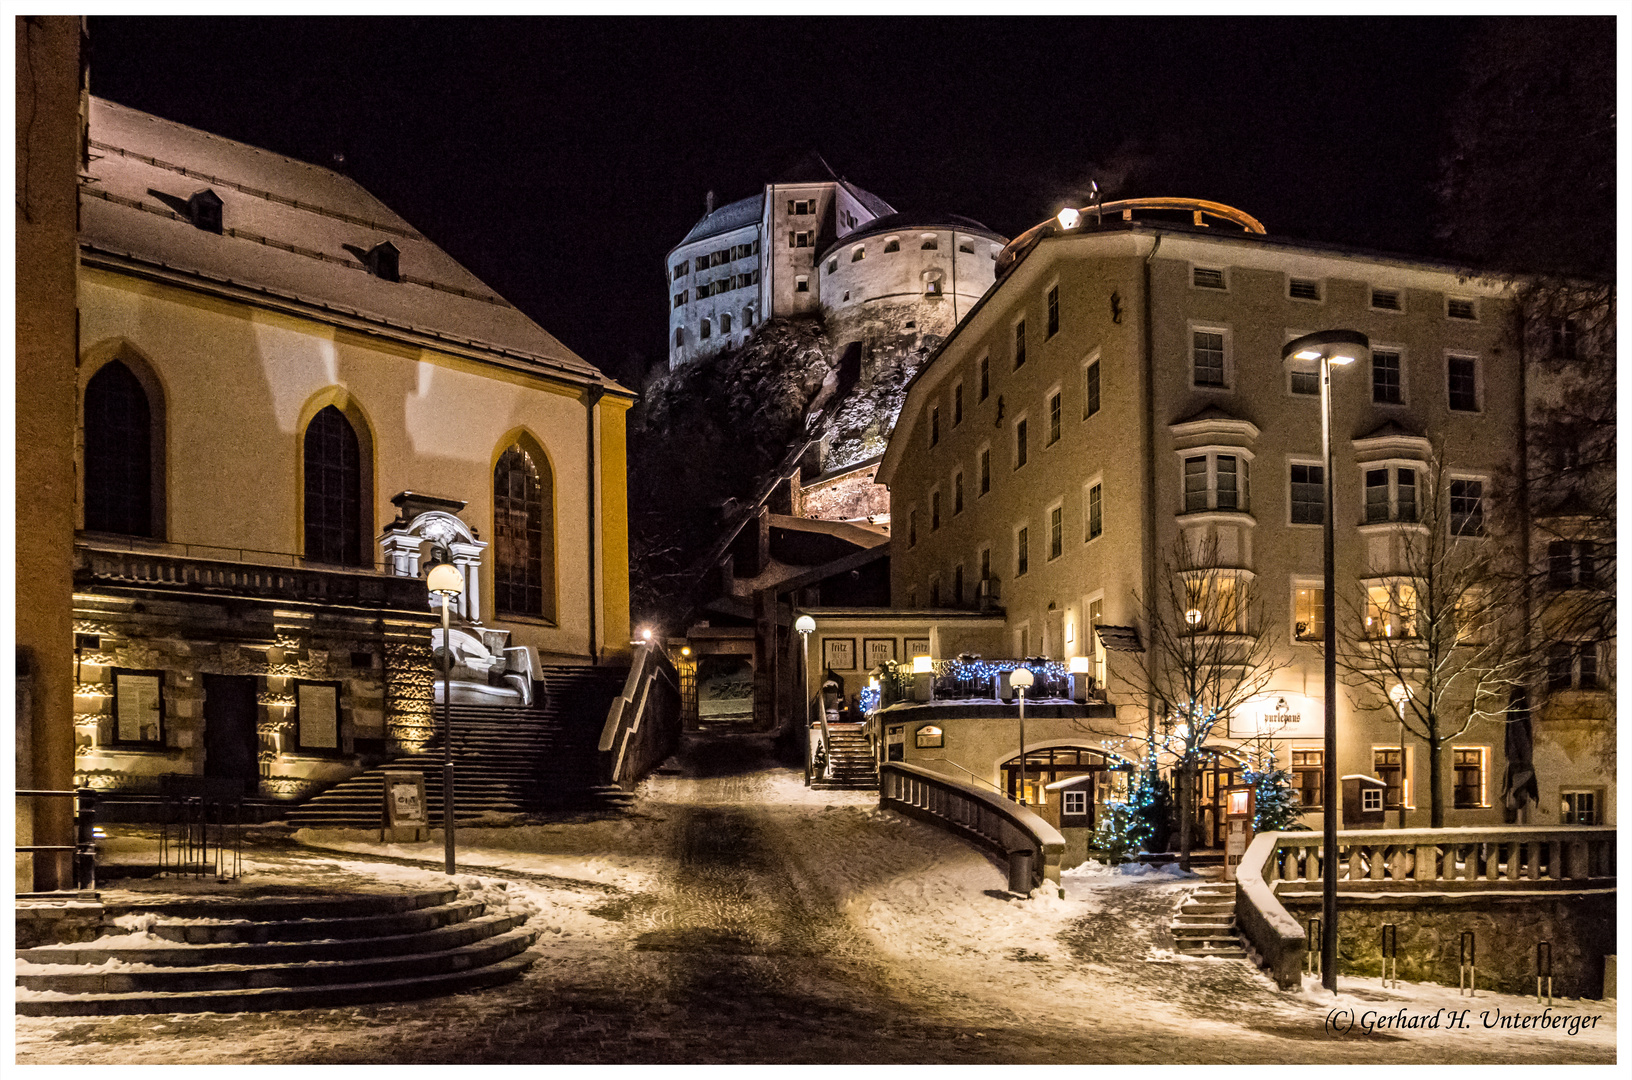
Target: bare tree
{"x": 1435, "y": 638}
{"x": 1207, "y": 654}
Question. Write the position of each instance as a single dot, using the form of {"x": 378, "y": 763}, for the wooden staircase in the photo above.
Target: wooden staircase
{"x": 1205, "y": 924}
{"x": 230, "y": 954}
{"x": 507, "y": 759}
{"x": 852, "y": 766}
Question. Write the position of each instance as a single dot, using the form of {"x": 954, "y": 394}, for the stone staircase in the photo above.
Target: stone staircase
{"x": 507, "y": 759}
{"x": 1205, "y": 924}
{"x": 232, "y": 954}
{"x": 852, "y": 766}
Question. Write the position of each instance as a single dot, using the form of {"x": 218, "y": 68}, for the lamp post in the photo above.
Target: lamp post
{"x": 446, "y": 581}
{"x": 1021, "y": 679}
{"x": 1340, "y": 347}
{"x": 805, "y": 625}
{"x": 1399, "y": 695}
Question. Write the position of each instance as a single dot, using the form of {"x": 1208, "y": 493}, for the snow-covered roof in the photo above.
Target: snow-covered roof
{"x": 290, "y": 230}
{"x": 730, "y": 216}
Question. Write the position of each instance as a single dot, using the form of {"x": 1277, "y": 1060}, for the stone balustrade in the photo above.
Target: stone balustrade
{"x": 985, "y": 817}
{"x": 1406, "y": 862}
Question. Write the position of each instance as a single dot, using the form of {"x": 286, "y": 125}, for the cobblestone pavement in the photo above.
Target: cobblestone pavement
{"x": 744, "y": 949}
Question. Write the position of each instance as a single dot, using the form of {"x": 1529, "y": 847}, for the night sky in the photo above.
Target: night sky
{"x": 560, "y": 159}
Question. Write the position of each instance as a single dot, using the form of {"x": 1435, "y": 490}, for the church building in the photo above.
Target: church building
{"x": 291, "y": 404}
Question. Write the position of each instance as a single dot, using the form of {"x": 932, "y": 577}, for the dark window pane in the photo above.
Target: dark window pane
{"x": 333, "y": 481}
{"x": 118, "y": 453}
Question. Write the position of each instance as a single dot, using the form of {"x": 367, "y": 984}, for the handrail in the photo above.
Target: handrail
{"x": 84, "y": 845}
{"x": 1408, "y": 860}
{"x": 966, "y": 772}
{"x": 996, "y": 823}
{"x": 628, "y": 711}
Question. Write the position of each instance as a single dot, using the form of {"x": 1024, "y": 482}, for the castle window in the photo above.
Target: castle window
{"x": 966, "y": 246}
{"x": 932, "y": 283}
{"x": 1053, "y": 311}
{"x": 832, "y": 264}
{"x": 1386, "y": 299}
{"x": 1019, "y": 344}
{"x": 680, "y": 270}
{"x": 333, "y": 490}
{"x": 801, "y": 284}
{"x": 679, "y": 337}
{"x": 929, "y": 242}
{"x": 725, "y": 322}
{"x": 705, "y": 330}
{"x": 747, "y": 317}
{"x": 702, "y": 262}
{"x": 118, "y": 453}
{"x": 801, "y": 206}
{"x": 680, "y": 298}
{"x": 801, "y": 239}
{"x": 523, "y": 534}
{"x": 892, "y": 244}
{"x": 858, "y": 253}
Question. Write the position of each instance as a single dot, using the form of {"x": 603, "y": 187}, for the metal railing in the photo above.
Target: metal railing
{"x": 1505, "y": 858}
{"x": 970, "y": 775}
{"x": 990, "y": 820}
{"x": 84, "y": 845}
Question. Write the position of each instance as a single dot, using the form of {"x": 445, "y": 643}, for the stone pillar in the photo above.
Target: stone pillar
{"x": 401, "y": 552}
{"x": 467, "y": 556}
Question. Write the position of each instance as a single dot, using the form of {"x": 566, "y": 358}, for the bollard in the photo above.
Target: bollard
{"x": 1466, "y": 973}
{"x": 1391, "y": 948}
{"x": 1311, "y": 959}
{"x": 1020, "y": 866}
{"x": 1544, "y": 969}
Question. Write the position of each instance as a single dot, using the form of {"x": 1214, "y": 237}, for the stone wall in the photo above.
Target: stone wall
{"x": 1506, "y": 927}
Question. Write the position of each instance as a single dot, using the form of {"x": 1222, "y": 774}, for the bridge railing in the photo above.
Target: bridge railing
{"x": 1507, "y": 858}
{"x": 988, "y": 819}
{"x": 642, "y": 723}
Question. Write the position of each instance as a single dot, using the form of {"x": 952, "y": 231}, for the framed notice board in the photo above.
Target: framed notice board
{"x": 405, "y": 806}
{"x": 317, "y": 717}
{"x": 138, "y": 707}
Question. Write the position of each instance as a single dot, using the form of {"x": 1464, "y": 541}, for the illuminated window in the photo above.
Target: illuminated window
{"x": 1096, "y": 618}
{"x": 1214, "y": 602}
{"x": 1387, "y": 768}
{"x": 1308, "y": 776}
{"x": 1391, "y": 610}
{"x": 1469, "y": 764}
{"x": 1578, "y": 808}
{"x": 1308, "y": 613}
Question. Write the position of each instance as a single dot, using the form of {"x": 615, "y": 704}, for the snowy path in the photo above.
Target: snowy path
{"x": 739, "y": 917}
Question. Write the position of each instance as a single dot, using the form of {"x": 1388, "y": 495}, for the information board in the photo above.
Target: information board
{"x": 138, "y": 696}
{"x": 318, "y": 714}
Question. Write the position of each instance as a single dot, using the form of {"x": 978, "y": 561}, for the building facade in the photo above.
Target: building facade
{"x": 291, "y": 402}
{"x": 1119, "y": 399}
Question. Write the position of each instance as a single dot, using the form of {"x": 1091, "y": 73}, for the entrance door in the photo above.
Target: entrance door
{"x": 230, "y": 743}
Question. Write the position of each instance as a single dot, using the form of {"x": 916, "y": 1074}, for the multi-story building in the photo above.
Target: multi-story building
{"x": 799, "y": 247}
{"x": 290, "y": 402}
{"x": 1120, "y": 396}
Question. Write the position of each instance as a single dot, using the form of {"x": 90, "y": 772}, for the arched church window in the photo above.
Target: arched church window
{"x": 519, "y": 498}
{"x": 118, "y": 453}
{"x": 333, "y": 490}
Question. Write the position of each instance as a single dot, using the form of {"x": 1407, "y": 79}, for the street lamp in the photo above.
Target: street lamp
{"x": 1021, "y": 679}
{"x": 1399, "y": 695}
{"x": 1341, "y": 347}
{"x": 805, "y": 625}
{"x": 446, "y": 581}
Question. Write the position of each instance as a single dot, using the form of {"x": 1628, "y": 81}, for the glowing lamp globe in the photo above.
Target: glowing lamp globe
{"x": 805, "y": 624}
{"x": 1021, "y": 678}
{"x": 922, "y": 665}
{"x": 1079, "y": 665}
{"x": 445, "y": 580}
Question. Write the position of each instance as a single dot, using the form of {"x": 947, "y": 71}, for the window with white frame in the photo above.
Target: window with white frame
{"x": 1303, "y": 377}
{"x": 1209, "y": 355}
{"x": 802, "y": 238}
{"x": 1387, "y": 377}
{"x": 1022, "y": 550}
{"x": 1371, "y": 798}
{"x": 801, "y": 284}
{"x": 801, "y": 206}
{"x": 1215, "y": 481}
{"x": 957, "y": 493}
{"x": 1308, "y": 611}
{"x": 1391, "y": 493}
{"x": 1467, "y": 507}
{"x": 1053, "y": 311}
{"x": 1462, "y": 383}
{"x": 1056, "y": 531}
{"x": 1391, "y": 609}
{"x": 1076, "y": 803}
{"x": 1308, "y": 493}
{"x": 1090, "y": 378}
{"x": 1096, "y": 509}
{"x": 1215, "y": 601}
{"x": 1053, "y": 417}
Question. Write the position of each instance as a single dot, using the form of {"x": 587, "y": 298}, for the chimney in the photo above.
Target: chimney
{"x": 709, "y": 201}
